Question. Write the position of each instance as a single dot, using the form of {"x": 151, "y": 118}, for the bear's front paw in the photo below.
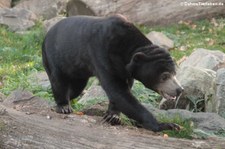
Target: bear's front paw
{"x": 111, "y": 118}
{"x": 67, "y": 109}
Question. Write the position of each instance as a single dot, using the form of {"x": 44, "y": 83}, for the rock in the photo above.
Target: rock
{"x": 205, "y": 59}
{"x": 45, "y": 9}
{"x": 2, "y": 111}
{"x": 199, "y": 84}
{"x": 49, "y": 23}
{"x": 40, "y": 79}
{"x": 93, "y": 95}
{"x": 199, "y": 87}
{"x": 17, "y": 96}
{"x": 5, "y": 3}
{"x": 152, "y": 12}
{"x": 17, "y": 19}
{"x": 76, "y": 7}
{"x": 197, "y": 74}
{"x": 208, "y": 122}
{"x": 220, "y": 92}
{"x": 98, "y": 109}
{"x": 25, "y": 101}
{"x": 160, "y": 39}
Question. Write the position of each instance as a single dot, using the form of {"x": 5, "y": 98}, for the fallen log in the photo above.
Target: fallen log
{"x": 22, "y": 126}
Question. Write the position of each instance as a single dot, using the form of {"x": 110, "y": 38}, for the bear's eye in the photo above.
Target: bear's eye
{"x": 165, "y": 76}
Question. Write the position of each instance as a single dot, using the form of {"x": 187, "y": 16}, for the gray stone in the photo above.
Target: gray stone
{"x": 160, "y": 39}
{"x": 153, "y": 12}
{"x": 45, "y": 9}
{"x": 49, "y": 23}
{"x": 23, "y": 100}
{"x": 93, "y": 95}
{"x": 205, "y": 59}
{"x": 76, "y": 7}
{"x": 199, "y": 84}
{"x": 220, "y": 92}
{"x": 39, "y": 79}
{"x": 17, "y": 19}
{"x": 5, "y": 3}
{"x": 208, "y": 122}
{"x": 197, "y": 74}
{"x": 17, "y": 96}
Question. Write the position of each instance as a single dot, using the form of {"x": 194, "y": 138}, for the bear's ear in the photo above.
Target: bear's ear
{"x": 135, "y": 61}
{"x": 138, "y": 57}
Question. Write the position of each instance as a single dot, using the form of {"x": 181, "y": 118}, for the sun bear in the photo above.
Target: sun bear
{"x": 116, "y": 52}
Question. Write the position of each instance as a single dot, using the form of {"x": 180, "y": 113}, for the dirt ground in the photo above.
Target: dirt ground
{"x": 31, "y": 124}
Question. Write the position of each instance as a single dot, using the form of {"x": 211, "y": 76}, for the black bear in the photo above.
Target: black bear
{"x": 116, "y": 52}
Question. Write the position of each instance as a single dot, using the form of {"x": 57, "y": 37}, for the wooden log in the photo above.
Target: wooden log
{"x": 34, "y": 130}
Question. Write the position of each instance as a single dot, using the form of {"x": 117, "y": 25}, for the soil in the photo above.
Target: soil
{"x": 31, "y": 124}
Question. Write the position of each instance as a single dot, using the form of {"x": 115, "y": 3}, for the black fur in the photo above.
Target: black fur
{"x": 113, "y": 50}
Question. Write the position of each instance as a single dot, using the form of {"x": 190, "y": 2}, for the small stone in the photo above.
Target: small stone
{"x": 84, "y": 121}
{"x": 165, "y": 136}
{"x": 160, "y": 39}
{"x": 39, "y": 79}
{"x": 49, "y": 23}
{"x": 2, "y": 111}
{"x": 64, "y": 117}
{"x": 183, "y": 48}
{"x": 48, "y": 117}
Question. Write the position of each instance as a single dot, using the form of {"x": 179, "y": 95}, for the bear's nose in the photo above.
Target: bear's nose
{"x": 179, "y": 90}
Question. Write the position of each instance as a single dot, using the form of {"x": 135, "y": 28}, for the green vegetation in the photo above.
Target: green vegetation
{"x": 220, "y": 133}
{"x": 2, "y": 125}
{"x": 20, "y": 56}
{"x": 145, "y": 95}
{"x": 186, "y": 127}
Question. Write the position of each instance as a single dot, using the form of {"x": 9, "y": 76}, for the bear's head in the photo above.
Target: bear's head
{"x": 155, "y": 68}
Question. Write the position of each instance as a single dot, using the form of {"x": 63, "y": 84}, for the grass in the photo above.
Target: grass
{"x": 207, "y": 34}
{"x": 20, "y": 55}
{"x": 2, "y": 125}
{"x": 186, "y": 127}
{"x": 145, "y": 95}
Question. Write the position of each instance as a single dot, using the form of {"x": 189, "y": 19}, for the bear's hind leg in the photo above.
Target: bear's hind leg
{"x": 61, "y": 93}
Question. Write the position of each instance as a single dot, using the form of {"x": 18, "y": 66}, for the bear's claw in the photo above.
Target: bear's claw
{"x": 112, "y": 119}
{"x": 67, "y": 109}
{"x": 170, "y": 126}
